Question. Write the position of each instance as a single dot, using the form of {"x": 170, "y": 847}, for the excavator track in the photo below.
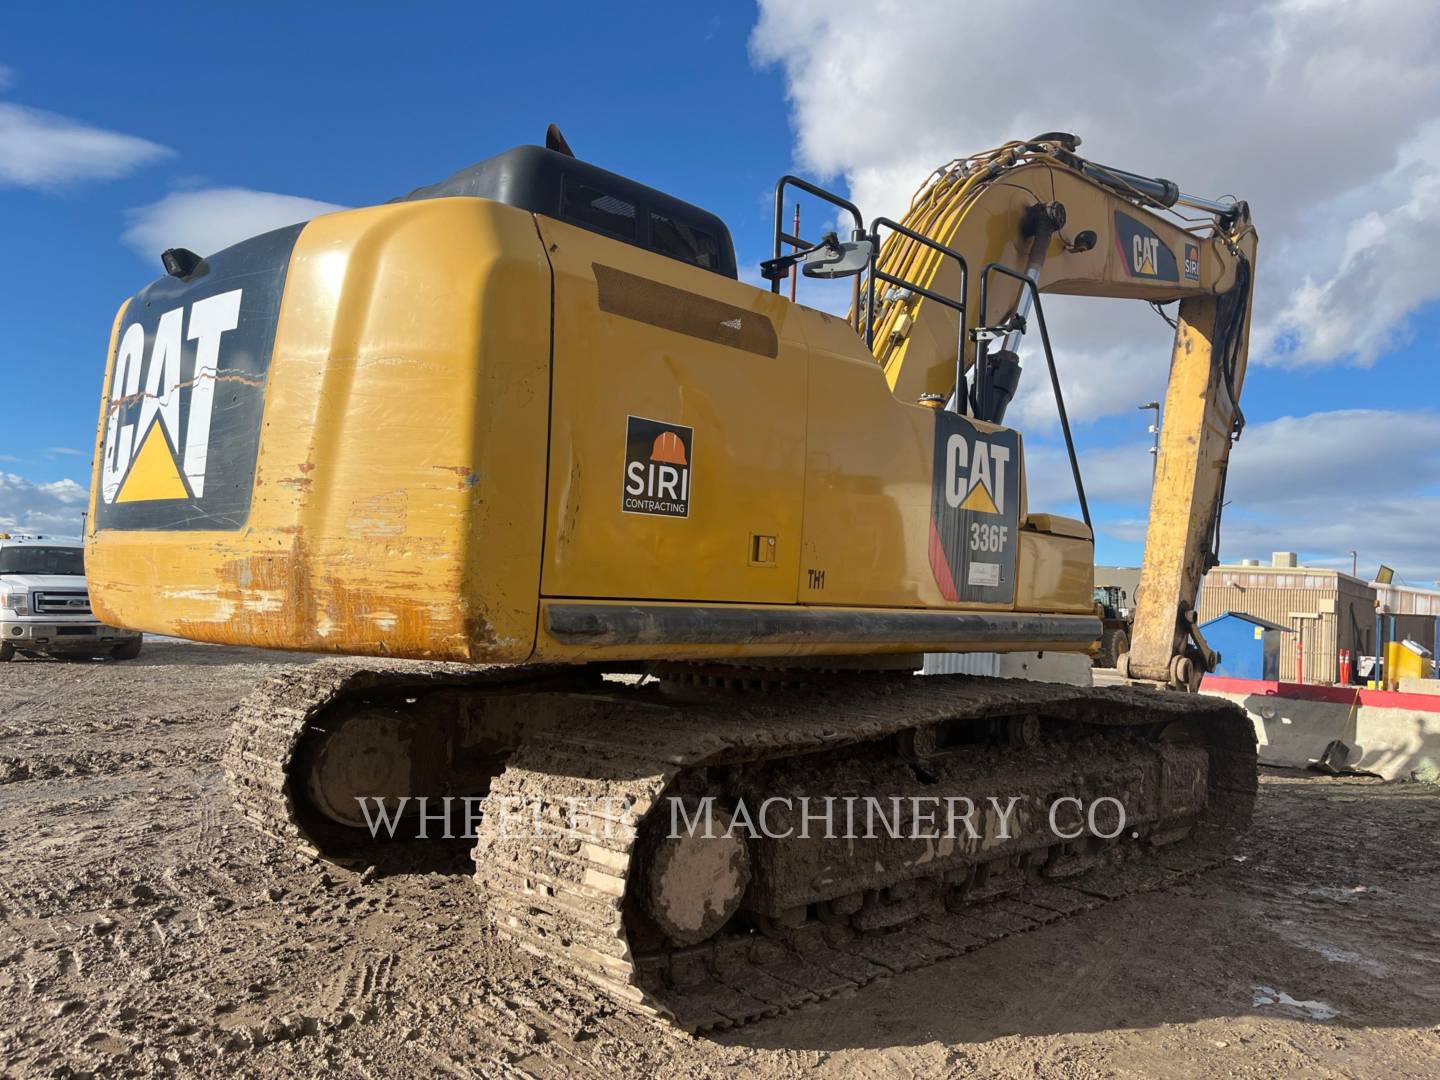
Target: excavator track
{"x": 565, "y": 899}
{"x": 268, "y": 727}
{"x": 569, "y": 886}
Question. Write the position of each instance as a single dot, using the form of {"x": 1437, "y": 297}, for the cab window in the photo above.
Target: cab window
{"x": 683, "y": 241}
{"x": 589, "y": 206}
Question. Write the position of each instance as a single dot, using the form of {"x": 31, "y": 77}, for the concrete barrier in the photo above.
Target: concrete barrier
{"x": 1411, "y": 685}
{"x": 1393, "y": 734}
{"x": 1057, "y": 667}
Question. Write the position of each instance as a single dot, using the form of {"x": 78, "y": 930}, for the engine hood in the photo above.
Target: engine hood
{"x": 46, "y": 581}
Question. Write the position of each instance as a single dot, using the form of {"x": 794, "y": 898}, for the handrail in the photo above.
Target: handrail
{"x": 929, "y": 294}
{"x": 781, "y": 236}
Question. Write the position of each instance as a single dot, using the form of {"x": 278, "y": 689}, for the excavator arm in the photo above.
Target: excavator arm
{"x": 1035, "y": 210}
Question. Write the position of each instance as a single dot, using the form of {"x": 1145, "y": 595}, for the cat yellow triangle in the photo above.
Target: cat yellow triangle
{"x": 979, "y": 500}
{"x": 153, "y": 474}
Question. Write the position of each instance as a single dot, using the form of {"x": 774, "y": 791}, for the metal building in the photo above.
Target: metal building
{"x": 1416, "y": 613}
{"x": 1329, "y": 610}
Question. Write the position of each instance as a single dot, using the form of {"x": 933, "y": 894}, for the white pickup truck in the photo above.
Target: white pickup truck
{"x": 45, "y": 605}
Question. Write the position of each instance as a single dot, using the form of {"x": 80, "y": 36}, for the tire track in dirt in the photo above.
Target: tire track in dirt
{"x": 145, "y": 930}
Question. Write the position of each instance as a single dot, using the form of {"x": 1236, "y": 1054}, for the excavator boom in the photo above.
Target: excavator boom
{"x": 1084, "y": 229}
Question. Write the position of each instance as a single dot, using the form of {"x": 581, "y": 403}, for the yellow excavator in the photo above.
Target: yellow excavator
{"x": 663, "y": 542}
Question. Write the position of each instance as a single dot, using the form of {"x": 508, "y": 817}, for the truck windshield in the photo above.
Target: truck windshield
{"x": 42, "y": 560}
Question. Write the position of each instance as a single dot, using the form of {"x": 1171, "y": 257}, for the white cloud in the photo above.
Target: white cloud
{"x": 69, "y": 450}
{"x": 1277, "y": 462}
{"x": 1111, "y": 355}
{"x": 1347, "y": 523}
{"x": 1317, "y": 484}
{"x": 1310, "y": 109}
{"x": 1385, "y": 271}
{"x": 42, "y": 150}
{"x": 1377, "y": 452}
{"x": 52, "y": 508}
{"x": 1116, "y": 474}
{"x": 206, "y": 221}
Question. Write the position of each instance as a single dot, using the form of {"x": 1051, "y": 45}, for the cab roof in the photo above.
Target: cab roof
{"x": 557, "y": 185}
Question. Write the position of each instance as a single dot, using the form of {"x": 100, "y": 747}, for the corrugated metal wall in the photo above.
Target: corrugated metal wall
{"x": 959, "y": 663}
{"x": 1346, "y": 610}
{"x": 1416, "y": 611}
{"x": 1406, "y": 600}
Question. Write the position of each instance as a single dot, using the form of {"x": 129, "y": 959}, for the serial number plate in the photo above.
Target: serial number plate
{"x": 983, "y": 573}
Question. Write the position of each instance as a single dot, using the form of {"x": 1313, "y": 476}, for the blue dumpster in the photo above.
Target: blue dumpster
{"x": 1249, "y": 646}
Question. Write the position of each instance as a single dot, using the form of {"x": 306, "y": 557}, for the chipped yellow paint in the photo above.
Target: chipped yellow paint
{"x": 386, "y": 408}
{"x": 1189, "y": 479}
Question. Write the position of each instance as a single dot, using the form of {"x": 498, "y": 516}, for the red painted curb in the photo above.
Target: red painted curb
{"x": 1334, "y": 695}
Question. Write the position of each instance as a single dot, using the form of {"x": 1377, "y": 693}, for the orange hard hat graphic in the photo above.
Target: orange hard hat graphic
{"x": 668, "y": 448}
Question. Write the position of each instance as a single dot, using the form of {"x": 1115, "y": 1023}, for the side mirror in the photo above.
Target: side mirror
{"x": 834, "y": 258}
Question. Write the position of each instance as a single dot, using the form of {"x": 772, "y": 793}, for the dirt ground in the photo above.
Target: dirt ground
{"x": 144, "y": 929}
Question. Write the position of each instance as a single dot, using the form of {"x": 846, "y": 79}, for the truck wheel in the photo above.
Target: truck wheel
{"x": 128, "y": 651}
{"x": 1112, "y": 644}
{"x": 7, "y": 651}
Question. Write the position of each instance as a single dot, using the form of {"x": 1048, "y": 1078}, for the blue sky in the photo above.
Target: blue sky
{"x": 338, "y": 107}
{"x": 349, "y": 105}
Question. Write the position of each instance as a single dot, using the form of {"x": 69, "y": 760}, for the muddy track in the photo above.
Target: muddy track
{"x": 265, "y": 729}
{"x": 565, "y": 899}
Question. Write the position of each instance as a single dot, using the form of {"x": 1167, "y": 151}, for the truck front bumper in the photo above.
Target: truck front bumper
{"x": 53, "y": 635}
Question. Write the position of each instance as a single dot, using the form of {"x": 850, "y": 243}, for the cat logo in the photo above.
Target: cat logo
{"x": 658, "y": 458}
{"x": 1142, "y": 253}
{"x": 975, "y": 474}
{"x": 974, "y": 511}
{"x": 1146, "y": 253}
{"x": 149, "y": 454}
{"x": 185, "y": 393}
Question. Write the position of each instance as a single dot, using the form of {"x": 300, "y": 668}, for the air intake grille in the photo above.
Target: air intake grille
{"x": 62, "y": 603}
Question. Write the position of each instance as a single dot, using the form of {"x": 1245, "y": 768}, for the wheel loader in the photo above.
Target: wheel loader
{"x": 1112, "y": 608}
{"x": 628, "y": 540}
